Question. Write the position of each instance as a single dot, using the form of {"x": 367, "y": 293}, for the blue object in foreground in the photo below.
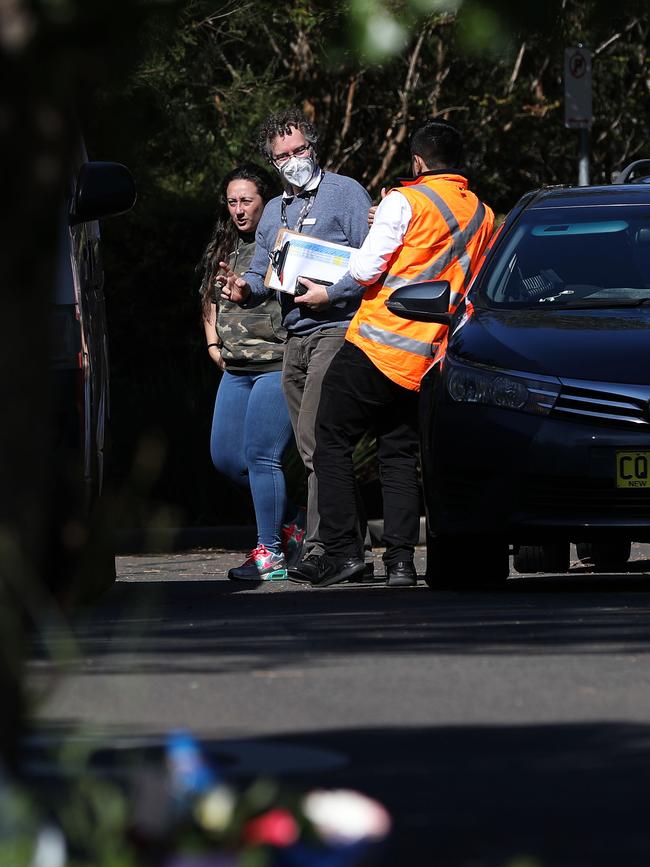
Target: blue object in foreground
{"x": 189, "y": 772}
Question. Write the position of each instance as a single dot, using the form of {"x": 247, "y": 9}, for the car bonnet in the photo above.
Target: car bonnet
{"x": 609, "y": 345}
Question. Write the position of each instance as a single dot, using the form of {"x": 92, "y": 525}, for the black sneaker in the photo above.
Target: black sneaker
{"x": 367, "y": 576}
{"x": 306, "y": 571}
{"x": 401, "y": 574}
{"x": 334, "y": 571}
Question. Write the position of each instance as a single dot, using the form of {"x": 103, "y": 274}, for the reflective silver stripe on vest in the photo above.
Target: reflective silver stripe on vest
{"x": 458, "y": 246}
{"x": 396, "y": 341}
{"x": 460, "y": 239}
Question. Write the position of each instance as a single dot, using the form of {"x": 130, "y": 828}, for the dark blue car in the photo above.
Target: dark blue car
{"x": 536, "y": 422}
{"x": 81, "y": 562}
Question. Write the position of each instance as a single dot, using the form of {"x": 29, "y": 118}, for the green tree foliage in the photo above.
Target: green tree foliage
{"x": 493, "y": 68}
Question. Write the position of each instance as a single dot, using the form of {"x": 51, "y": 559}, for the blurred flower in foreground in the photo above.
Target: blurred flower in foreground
{"x": 275, "y": 828}
{"x": 181, "y": 812}
{"x": 214, "y": 810}
{"x": 343, "y": 816}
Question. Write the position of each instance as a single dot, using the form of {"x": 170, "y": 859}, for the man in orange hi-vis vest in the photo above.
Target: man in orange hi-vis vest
{"x": 429, "y": 228}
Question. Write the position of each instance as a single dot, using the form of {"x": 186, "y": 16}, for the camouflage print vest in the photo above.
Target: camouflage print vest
{"x": 253, "y": 340}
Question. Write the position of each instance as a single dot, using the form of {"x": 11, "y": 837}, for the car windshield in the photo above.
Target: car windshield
{"x": 573, "y": 257}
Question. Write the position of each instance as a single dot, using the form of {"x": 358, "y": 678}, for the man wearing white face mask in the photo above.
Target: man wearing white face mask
{"x": 330, "y": 207}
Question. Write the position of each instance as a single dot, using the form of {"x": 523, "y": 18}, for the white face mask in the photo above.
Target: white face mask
{"x": 298, "y": 171}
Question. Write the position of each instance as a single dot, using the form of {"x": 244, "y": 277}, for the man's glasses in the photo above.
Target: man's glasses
{"x": 281, "y": 159}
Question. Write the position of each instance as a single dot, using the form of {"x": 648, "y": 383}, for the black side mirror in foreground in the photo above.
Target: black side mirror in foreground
{"x": 423, "y": 302}
{"x": 103, "y": 190}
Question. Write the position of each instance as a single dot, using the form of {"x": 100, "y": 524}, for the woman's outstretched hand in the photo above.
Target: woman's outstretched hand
{"x": 232, "y": 286}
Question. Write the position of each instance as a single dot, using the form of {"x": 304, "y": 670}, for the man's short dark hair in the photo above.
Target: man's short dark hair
{"x": 281, "y": 124}
{"x": 438, "y": 143}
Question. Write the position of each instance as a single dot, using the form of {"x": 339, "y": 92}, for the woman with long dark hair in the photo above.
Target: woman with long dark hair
{"x": 250, "y": 427}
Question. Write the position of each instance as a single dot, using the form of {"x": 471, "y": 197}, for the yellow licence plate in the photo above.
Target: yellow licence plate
{"x": 633, "y": 469}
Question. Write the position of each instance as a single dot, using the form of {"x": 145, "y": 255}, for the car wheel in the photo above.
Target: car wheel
{"x": 552, "y": 557}
{"x": 466, "y": 563}
{"x": 605, "y": 555}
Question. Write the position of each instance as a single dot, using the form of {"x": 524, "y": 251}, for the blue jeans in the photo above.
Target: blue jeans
{"x": 250, "y": 431}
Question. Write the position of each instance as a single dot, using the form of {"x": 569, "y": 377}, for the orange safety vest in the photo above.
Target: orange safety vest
{"x": 444, "y": 240}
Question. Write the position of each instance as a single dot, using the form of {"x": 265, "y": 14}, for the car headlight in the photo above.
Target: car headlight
{"x": 468, "y": 383}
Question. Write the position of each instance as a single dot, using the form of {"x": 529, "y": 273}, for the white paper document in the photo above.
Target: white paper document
{"x": 299, "y": 255}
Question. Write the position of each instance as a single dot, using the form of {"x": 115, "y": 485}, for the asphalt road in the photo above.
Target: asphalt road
{"x": 494, "y": 726}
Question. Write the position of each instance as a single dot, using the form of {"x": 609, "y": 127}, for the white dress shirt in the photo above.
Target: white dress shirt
{"x": 386, "y": 235}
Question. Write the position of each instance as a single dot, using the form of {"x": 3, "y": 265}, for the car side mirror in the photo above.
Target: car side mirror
{"x": 103, "y": 190}
{"x": 634, "y": 173}
{"x": 422, "y": 302}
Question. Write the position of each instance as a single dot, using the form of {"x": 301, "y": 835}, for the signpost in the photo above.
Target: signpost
{"x": 577, "y": 103}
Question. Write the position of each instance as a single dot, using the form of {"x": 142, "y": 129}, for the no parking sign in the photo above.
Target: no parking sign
{"x": 577, "y": 88}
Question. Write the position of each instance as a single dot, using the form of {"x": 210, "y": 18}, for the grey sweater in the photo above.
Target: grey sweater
{"x": 339, "y": 214}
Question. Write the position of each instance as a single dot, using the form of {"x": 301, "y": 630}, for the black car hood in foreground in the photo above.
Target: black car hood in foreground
{"x": 607, "y": 345}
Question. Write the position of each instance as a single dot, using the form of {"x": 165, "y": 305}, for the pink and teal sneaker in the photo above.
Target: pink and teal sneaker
{"x": 261, "y": 565}
{"x": 270, "y": 566}
{"x": 247, "y": 571}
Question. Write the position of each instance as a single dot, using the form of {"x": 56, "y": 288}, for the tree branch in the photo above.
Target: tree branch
{"x": 347, "y": 153}
{"x": 209, "y": 20}
{"x": 349, "y": 102}
{"x": 536, "y": 85}
{"x": 392, "y": 142}
{"x": 274, "y": 45}
{"x": 616, "y": 37}
{"x": 337, "y": 155}
{"x": 231, "y": 69}
{"x": 388, "y": 158}
{"x": 516, "y": 68}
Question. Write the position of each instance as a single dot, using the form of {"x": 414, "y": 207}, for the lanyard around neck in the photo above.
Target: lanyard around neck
{"x": 302, "y": 216}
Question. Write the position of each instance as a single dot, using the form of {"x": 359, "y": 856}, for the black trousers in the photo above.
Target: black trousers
{"x": 357, "y": 397}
